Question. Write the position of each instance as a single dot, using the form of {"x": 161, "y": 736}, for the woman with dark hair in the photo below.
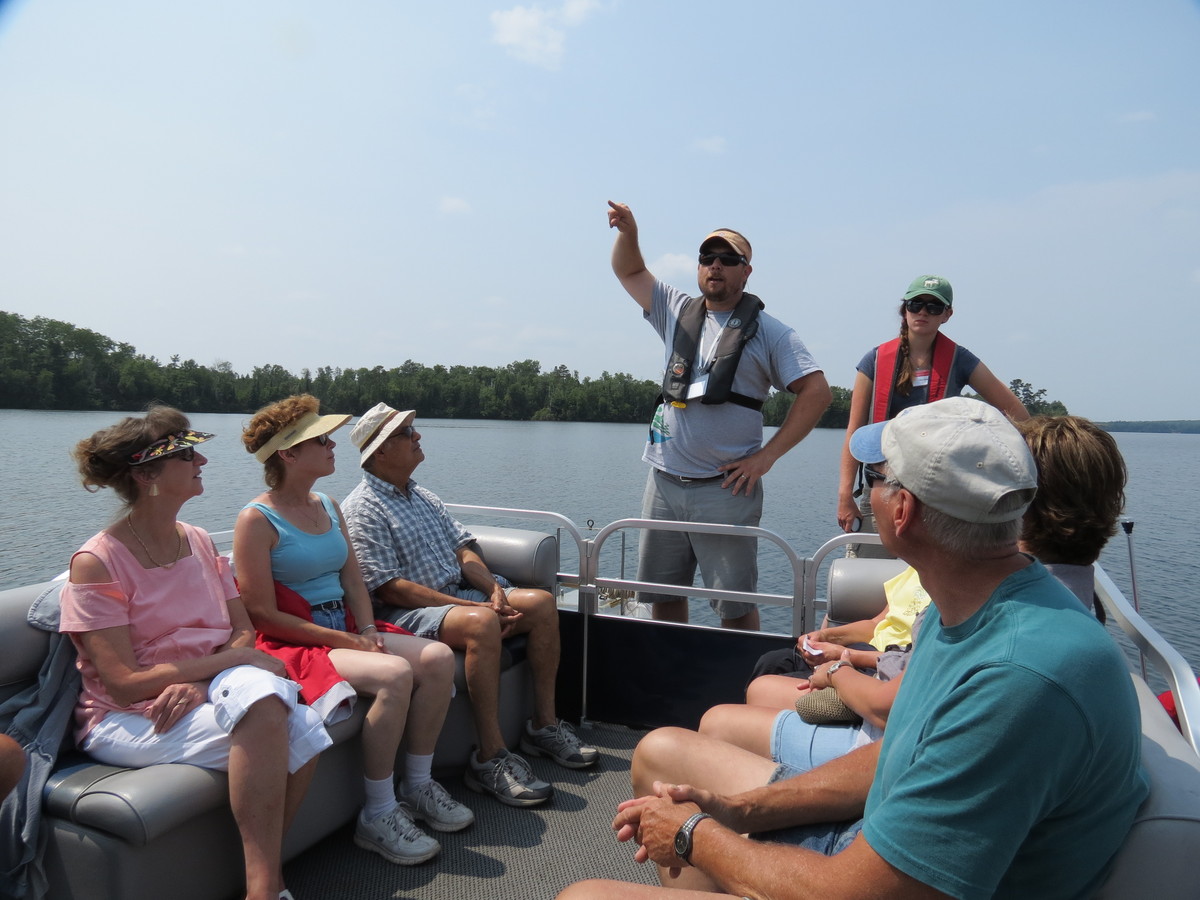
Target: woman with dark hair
{"x": 920, "y": 366}
{"x": 290, "y": 544}
{"x": 166, "y": 650}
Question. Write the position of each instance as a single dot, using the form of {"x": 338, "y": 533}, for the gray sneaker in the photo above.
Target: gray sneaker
{"x": 508, "y": 778}
{"x": 394, "y": 837}
{"x": 432, "y": 804}
{"x": 559, "y": 742}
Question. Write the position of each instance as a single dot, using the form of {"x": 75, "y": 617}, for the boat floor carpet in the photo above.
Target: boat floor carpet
{"x": 523, "y": 854}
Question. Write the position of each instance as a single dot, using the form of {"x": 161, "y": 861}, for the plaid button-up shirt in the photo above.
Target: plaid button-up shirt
{"x": 396, "y": 536}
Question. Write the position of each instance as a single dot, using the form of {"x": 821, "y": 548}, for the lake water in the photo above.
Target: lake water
{"x": 591, "y": 473}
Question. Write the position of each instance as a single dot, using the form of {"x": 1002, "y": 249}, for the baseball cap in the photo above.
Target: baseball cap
{"x": 734, "y": 239}
{"x": 934, "y": 285}
{"x": 958, "y": 455}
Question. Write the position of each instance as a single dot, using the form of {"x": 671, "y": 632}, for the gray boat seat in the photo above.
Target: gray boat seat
{"x": 856, "y": 588}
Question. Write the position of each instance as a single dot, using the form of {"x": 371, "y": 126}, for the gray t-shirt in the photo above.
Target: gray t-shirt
{"x": 693, "y": 441}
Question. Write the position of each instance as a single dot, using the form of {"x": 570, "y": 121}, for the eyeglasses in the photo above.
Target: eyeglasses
{"x": 727, "y": 259}
{"x": 187, "y": 454}
{"x": 872, "y": 475}
{"x": 933, "y": 307}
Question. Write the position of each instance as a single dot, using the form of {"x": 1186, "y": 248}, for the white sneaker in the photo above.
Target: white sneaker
{"x": 508, "y": 778}
{"x": 559, "y": 742}
{"x": 434, "y": 805}
{"x": 394, "y": 837}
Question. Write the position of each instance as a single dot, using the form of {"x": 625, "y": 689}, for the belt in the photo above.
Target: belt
{"x": 683, "y": 479}
{"x": 331, "y": 605}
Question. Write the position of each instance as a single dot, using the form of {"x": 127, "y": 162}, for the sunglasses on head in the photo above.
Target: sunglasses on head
{"x": 727, "y": 259}
{"x": 933, "y": 307}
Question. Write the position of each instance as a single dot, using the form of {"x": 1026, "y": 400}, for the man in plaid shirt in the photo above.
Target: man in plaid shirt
{"x": 422, "y": 564}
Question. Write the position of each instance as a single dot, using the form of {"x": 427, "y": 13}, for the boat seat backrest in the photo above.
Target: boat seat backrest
{"x": 526, "y": 558}
{"x": 1158, "y": 858}
{"x": 25, "y": 647}
{"x": 856, "y": 588}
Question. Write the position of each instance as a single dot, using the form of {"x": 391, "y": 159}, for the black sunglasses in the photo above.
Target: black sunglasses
{"x": 187, "y": 454}
{"x": 933, "y": 307}
{"x": 727, "y": 259}
{"x": 872, "y": 475}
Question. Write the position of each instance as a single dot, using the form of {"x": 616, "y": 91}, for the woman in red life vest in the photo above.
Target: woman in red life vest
{"x": 920, "y": 366}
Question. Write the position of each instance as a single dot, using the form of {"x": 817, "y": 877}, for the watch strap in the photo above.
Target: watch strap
{"x": 683, "y": 837}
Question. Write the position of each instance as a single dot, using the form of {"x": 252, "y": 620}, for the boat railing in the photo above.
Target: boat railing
{"x": 1166, "y": 660}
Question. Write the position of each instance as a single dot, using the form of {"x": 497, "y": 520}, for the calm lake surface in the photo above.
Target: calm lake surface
{"x": 590, "y": 473}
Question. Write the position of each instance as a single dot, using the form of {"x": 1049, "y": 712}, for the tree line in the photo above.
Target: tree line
{"x": 47, "y": 364}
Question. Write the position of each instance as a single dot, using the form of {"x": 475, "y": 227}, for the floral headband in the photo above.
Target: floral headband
{"x": 172, "y": 443}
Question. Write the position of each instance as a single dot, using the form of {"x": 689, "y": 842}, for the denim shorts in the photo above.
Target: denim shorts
{"x": 426, "y": 621}
{"x": 802, "y": 746}
{"x": 828, "y": 839}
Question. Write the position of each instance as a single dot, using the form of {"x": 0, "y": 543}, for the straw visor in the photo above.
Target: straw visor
{"x": 310, "y": 425}
{"x": 376, "y": 426}
{"x": 958, "y": 455}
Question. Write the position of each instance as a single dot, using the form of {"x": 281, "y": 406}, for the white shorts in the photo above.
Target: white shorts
{"x": 201, "y": 738}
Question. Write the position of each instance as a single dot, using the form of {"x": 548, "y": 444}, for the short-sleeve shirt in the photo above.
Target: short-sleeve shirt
{"x": 411, "y": 537}
{"x": 1011, "y": 764}
{"x": 965, "y": 363}
{"x": 172, "y": 613}
{"x": 695, "y": 440}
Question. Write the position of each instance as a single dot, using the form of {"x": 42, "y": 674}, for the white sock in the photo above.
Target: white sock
{"x": 417, "y": 770}
{"x": 381, "y": 798}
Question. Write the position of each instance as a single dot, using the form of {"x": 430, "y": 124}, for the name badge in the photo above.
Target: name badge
{"x": 697, "y": 388}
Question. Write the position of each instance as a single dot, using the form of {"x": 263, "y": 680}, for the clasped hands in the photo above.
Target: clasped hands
{"x": 652, "y": 821}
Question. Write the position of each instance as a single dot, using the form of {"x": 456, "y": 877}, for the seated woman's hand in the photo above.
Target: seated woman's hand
{"x": 251, "y": 656}
{"x": 175, "y": 702}
{"x": 819, "y": 651}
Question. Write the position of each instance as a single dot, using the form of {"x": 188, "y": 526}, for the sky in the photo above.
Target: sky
{"x": 367, "y": 182}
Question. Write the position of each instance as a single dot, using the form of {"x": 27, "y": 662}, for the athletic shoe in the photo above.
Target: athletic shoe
{"x": 394, "y": 837}
{"x": 432, "y": 804}
{"x": 559, "y": 742}
{"x": 508, "y": 778}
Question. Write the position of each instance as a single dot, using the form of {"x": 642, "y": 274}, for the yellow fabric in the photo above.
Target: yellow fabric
{"x": 906, "y": 598}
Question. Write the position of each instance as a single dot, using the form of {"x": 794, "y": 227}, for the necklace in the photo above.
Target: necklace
{"x": 137, "y": 537}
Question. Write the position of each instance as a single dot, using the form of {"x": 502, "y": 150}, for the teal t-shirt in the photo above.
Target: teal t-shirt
{"x": 1011, "y": 764}
{"x": 310, "y": 564}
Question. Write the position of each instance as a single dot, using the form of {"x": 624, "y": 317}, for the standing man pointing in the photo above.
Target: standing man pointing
{"x": 707, "y": 458}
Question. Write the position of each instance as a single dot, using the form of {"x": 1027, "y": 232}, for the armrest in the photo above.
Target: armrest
{"x": 526, "y": 558}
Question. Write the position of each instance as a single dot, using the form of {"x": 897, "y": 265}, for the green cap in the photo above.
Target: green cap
{"x": 934, "y": 285}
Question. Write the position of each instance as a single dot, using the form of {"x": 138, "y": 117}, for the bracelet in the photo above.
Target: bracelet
{"x": 363, "y": 630}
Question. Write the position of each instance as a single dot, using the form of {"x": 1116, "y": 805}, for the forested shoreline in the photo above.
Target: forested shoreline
{"x": 48, "y": 364}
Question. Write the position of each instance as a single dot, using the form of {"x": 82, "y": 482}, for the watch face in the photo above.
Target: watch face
{"x": 683, "y": 843}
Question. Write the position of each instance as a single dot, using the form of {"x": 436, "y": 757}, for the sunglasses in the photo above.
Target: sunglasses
{"x": 872, "y": 475}
{"x": 727, "y": 259}
{"x": 322, "y": 439}
{"x": 187, "y": 454}
{"x": 933, "y": 307}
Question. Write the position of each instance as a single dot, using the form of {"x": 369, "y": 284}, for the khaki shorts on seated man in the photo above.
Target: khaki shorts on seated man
{"x": 1011, "y": 763}
{"x": 414, "y": 556}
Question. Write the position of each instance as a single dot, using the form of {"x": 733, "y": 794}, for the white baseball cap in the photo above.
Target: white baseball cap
{"x": 960, "y": 456}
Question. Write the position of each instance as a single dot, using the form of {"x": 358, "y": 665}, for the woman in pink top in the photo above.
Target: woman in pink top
{"x": 166, "y": 650}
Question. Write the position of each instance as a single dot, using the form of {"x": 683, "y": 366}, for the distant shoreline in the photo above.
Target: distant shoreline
{"x": 1171, "y": 426}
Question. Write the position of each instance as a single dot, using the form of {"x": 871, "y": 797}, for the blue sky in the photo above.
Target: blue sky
{"x": 360, "y": 183}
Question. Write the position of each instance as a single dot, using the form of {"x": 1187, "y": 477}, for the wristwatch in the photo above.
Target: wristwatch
{"x": 837, "y": 665}
{"x": 683, "y": 837}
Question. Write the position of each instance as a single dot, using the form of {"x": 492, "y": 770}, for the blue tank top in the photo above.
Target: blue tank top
{"x": 310, "y": 564}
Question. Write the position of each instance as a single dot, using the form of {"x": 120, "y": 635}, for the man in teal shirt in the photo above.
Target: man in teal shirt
{"x": 1011, "y": 762}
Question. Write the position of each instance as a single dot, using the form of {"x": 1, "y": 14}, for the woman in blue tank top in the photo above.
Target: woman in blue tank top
{"x": 297, "y": 537}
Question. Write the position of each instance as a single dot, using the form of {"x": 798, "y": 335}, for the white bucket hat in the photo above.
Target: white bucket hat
{"x": 376, "y": 426}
